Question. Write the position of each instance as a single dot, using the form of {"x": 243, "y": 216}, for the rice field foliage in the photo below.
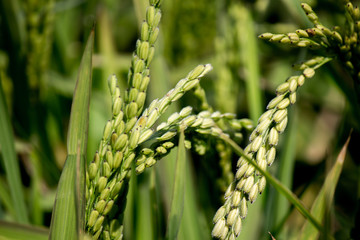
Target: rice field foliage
{"x": 155, "y": 119}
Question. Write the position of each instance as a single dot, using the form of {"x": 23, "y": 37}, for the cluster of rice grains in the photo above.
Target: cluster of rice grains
{"x": 108, "y": 175}
{"x": 249, "y": 183}
{"x": 131, "y": 125}
{"x": 205, "y": 123}
{"x": 313, "y": 38}
{"x": 342, "y": 43}
{"x": 351, "y": 47}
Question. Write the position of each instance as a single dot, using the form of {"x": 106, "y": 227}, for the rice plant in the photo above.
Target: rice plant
{"x": 159, "y": 146}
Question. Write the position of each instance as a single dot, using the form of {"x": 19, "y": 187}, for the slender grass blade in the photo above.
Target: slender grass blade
{"x": 177, "y": 203}
{"x": 325, "y": 197}
{"x": 14, "y": 231}
{"x": 249, "y": 53}
{"x": 36, "y": 210}
{"x": 10, "y": 161}
{"x": 5, "y": 199}
{"x": 69, "y": 208}
{"x": 194, "y": 224}
{"x": 155, "y": 202}
{"x": 144, "y": 225}
{"x": 78, "y": 125}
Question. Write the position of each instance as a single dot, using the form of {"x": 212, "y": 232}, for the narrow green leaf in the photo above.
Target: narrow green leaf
{"x": 249, "y": 53}
{"x": 155, "y": 202}
{"x": 5, "y": 198}
{"x": 69, "y": 209}
{"x": 80, "y": 184}
{"x": 36, "y": 210}
{"x": 194, "y": 224}
{"x": 63, "y": 221}
{"x": 325, "y": 197}
{"x": 11, "y": 164}
{"x": 78, "y": 125}
{"x": 177, "y": 202}
{"x": 14, "y": 231}
{"x": 144, "y": 225}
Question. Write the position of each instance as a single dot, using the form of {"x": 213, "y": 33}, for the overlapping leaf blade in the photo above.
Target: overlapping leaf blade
{"x": 325, "y": 196}
{"x": 177, "y": 202}
{"x": 68, "y": 214}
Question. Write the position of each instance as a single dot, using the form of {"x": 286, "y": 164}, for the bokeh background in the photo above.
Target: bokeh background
{"x": 41, "y": 44}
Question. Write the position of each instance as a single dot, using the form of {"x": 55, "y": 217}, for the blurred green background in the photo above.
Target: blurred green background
{"x": 41, "y": 43}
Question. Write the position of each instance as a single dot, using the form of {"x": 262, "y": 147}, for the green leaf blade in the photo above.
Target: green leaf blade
{"x": 79, "y": 118}
{"x": 11, "y": 164}
{"x": 325, "y": 196}
{"x": 69, "y": 209}
{"x": 63, "y": 222}
{"x": 249, "y": 54}
{"x": 11, "y": 231}
{"x": 177, "y": 203}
